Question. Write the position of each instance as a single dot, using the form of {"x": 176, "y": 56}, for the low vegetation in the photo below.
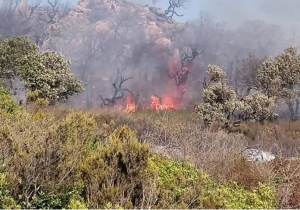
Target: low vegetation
{"x": 80, "y": 161}
{"x": 107, "y": 159}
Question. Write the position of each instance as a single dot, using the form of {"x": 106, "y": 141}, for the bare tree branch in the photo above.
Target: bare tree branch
{"x": 173, "y": 5}
{"x": 119, "y": 91}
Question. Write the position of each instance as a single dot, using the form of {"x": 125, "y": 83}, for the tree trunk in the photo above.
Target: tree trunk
{"x": 297, "y": 106}
{"x": 291, "y": 109}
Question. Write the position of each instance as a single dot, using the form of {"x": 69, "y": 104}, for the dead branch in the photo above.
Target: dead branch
{"x": 25, "y": 16}
{"x": 173, "y": 5}
{"x": 118, "y": 93}
{"x": 54, "y": 11}
{"x": 182, "y": 72}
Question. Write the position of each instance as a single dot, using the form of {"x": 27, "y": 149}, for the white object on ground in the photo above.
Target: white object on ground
{"x": 258, "y": 155}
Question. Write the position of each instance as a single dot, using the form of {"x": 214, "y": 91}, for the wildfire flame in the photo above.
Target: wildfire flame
{"x": 167, "y": 103}
{"x": 130, "y": 105}
{"x": 174, "y": 92}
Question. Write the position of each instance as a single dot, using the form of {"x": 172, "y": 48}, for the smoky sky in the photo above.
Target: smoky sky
{"x": 234, "y": 12}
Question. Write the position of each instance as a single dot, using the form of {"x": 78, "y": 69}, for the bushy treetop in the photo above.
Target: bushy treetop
{"x": 48, "y": 72}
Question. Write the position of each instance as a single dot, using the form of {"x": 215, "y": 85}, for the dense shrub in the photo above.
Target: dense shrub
{"x": 220, "y": 101}
{"x": 47, "y": 73}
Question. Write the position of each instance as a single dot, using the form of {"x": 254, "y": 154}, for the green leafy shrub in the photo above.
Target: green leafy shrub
{"x": 8, "y": 105}
{"x": 178, "y": 183}
{"x": 49, "y": 150}
{"x": 6, "y": 201}
{"x": 232, "y": 196}
{"x": 280, "y": 78}
{"x": 12, "y": 50}
{"x": 115, "y": 171}
{"x": 48, "y": 72}
{"x": 220, "y": 101}
{"x": 183, "y": 186}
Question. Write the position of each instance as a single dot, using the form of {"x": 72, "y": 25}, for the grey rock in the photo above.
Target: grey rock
{"x": 257, "y": 155}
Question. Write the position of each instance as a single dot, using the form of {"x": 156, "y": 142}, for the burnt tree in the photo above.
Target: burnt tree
{"x": 118, "y": 93}
{"x": 180, "y": 73}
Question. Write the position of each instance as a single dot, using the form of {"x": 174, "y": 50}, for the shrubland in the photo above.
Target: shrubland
{"x": 57, "y": 158}
{"x": 95, "y": 160}
{"x": 53, "y": 157}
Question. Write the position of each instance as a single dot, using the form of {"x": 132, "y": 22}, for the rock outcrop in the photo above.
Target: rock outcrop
{"x": 109, "y": 18}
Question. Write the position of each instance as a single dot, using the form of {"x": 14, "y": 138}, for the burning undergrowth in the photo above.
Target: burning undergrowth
{"x": 175, "y": 79}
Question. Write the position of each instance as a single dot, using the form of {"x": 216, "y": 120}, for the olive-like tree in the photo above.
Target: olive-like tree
{"x": 280, "y": 78}
{"x": 47, "y": 73}
{"x": 220, "y": 101}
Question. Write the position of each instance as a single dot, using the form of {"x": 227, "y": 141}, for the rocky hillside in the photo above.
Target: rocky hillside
{"x": 111, "y": 18}
{"x": 101, "y": 36}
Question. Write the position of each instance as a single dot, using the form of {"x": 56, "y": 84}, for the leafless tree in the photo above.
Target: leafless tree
{"x": 54, "y": 11}
{"x": 180, "y": 73}
{"x": 15, "y": 17}
{"x": 173, "y": 5}
{"x": 118, "y": 93}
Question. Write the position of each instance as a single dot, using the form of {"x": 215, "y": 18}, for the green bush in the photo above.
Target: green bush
{"x": 8, "y": 105}
{"x": 183, "y": 186}
{"x": 232, "y": 196}
{"x": 115, "y": 170}
{"x": 47, "y": 73}
{"x": 6, "y": 201}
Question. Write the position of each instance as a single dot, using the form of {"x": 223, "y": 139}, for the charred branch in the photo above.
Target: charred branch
{"x": 173, "y": 5}
{"x": 181, "y": 74}
{"x": 118, "y": 93}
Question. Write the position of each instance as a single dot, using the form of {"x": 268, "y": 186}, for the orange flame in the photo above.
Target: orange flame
{"x": 175, "y": 88}
{"x": 166, "y": 103}
{"x": 130, "y": 105}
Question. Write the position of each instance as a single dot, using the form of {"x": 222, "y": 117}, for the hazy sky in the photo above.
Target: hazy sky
{"x": 236, "y": 11}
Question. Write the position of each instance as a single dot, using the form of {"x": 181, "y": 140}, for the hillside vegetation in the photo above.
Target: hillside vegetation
{"x": 96, "y": 160}
{"x": 56, "y": 158}
{"x": 144, "y": 147}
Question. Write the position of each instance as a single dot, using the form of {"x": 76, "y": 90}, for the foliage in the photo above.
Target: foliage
{"x": 258, "y": 107}
{"x": 13, "y": 50}
{"x": 8, "y": 106}
{"x": 71, "y": 162}
{"x": 6, "y": 201}
{"x": 49, "y": 74}
{"x": 178, "y": 183}
{"x": 231, "y": 196}
{"x": 116, "y": 170}
{"x": 51, "y": 170}
{"x": 280, "y": 77}
{"x": 182, "y": 184}
{"x": 220, "y": 101}
{"x": 46, "y": 72}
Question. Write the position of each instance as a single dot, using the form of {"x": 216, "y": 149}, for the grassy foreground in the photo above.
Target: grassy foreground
{"x": 60, "y": 158}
